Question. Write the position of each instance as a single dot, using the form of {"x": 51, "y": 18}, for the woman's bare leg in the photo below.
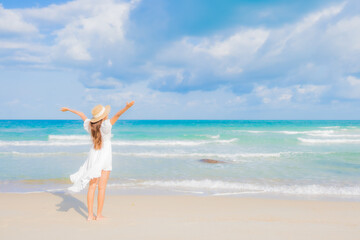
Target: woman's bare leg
{"x": 90, "y": 197}
{"x": 101, "y": 192}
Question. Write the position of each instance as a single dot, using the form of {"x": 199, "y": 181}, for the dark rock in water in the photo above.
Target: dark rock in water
{"x": 211, "y": 161}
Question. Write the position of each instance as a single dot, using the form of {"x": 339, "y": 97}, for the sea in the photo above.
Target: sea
{"x": 290, "y": 159}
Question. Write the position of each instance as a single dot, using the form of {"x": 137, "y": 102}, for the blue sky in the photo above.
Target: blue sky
{"x": 189, "y": 59}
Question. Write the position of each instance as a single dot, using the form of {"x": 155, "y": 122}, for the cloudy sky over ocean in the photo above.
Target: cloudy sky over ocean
{"x": 203, "y": 59}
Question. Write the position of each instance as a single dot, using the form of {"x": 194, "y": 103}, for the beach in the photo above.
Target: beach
{"x": 185, "y": 179}
{"x": 63, "y": 216}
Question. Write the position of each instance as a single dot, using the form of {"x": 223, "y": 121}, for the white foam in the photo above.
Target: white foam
{"x": 313, "y": 189}
{"x": 69, "y": 137}
{"x": 326, "y": 135}
{"x": 41, "y": 154}
{"x": 81, "y": 141}
{"x": 43, "y": 143}
{"x": 236, "y": 193}
{"x": 215, "y": 136}
{"x": 312, "y": 132}
{"x": 328, "y": 141}
{"x": 253, "y": 131}
{"x": 199, "y": 155}
{"x": 227, "y": 156}
{"x": 290, "y": 132}
{"x": 210, "y": 136}
{"x": 152, "y": 154}
{"x": 172, "y": 142}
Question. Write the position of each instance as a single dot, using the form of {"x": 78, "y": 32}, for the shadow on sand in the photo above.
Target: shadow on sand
{"x": 70, "y": 202}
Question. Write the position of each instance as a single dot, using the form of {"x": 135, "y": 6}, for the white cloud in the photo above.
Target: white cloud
{"x": 102, "y": 27}
{"x": 349, "y": 88}
{"x": 152, "y": 104}
{"x": 283, "y": 36}
{"x": 82, "y": 30}
{"x": 223, "y": 56}
{"x": 12, "y": 22}
{"x": 311, "y": 89}
{"x": 345, "y": 43}
{"x": 273, "y": 95}
{"x": 318, "y": 49}
{"x": 242, "y": 44}
{"x": 353, "y": 81}
{"x": 276, "y": 96}
{"x": 96, "y": 80}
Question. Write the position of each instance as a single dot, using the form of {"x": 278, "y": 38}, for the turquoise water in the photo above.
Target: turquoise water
{"x": 292, "y": 158}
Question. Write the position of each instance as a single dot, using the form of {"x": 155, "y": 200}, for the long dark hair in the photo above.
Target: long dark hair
{"x": 96, "y": 134}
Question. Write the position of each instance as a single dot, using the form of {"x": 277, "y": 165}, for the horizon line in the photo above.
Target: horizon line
{"x": 29, "y": 119}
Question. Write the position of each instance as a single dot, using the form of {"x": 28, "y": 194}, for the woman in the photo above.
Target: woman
{"x": 96, "y": 169}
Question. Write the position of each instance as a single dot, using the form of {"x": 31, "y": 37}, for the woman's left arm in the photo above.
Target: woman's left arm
{"x": 82, "y": 115}
{"x": 119, "y": 113}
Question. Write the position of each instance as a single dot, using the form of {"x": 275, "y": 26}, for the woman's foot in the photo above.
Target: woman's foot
{"x": 91, "y": 218}
{"x": 100, "y": 217}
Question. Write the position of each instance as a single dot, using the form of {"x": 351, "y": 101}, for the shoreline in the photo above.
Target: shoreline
{"x": 60, "y": 185}
{"x": 60, "y": 215}
{"x": 169, "y": 193}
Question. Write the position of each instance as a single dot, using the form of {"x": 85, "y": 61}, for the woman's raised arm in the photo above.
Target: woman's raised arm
{"x": 119, "y": 113}
{"x": 82, "y": 115}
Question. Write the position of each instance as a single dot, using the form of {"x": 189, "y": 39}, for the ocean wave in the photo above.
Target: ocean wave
{"x": 64, "y": 142}
{"x": 153, "y": 154}
{"x": 43, "y": 143}
{"x": 69, "y": 137}
{"x": 217, "y": 185}
{"x": 326, "y": 135}
{"x": 322, "y": 136}
{"x": 173, "y": 142}
{"x": 289, "y": 132}
{"x": 210, "y": 136}
{"x": 42, "y": 154}
{"x": 199, "y": 155}
{"x": 328, "y": 141}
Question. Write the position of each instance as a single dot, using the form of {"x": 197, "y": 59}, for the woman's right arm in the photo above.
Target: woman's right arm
{"x": 119, "y": 113}
{"x": 82, "y": 115}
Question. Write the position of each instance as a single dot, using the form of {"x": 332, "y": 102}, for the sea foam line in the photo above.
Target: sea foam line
{"x": 43, "y": 143}
{"x": 207, "y": 184}
{"x": 42, "y": 154}
{"x": 318, "y": 133}
{"x": 173, "y": 142}
{"x": 201, "y": 155}
{"x": 119, "y": 143}
{"x": 328, "y": 141}
{"x": 152, "y": 154}
{"x": 286, "y": 132}
{"x": 69, "y": 137}
{"x": 231, "y": 156}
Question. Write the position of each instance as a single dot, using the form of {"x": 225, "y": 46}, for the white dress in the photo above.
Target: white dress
{"x": 96, "y": 161}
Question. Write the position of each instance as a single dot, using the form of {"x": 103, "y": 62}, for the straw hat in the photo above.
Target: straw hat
{"x": 99, "y": 112}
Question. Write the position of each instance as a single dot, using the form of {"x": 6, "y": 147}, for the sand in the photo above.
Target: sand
{"x": 63, "y": 216}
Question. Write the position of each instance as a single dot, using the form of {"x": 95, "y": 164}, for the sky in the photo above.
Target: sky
{"x": 181, "y": 59}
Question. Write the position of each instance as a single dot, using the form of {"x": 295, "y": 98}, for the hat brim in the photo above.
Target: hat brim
{"x": 106, "y": 112}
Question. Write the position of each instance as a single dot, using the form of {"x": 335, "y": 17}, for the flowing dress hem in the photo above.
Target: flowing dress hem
{"x": 80, "y": 183}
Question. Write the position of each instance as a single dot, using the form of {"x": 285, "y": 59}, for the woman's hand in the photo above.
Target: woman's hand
{"x": 119, "y": 113}
{"x": 129, "y": 104}
{"x": 65, "y": 109}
